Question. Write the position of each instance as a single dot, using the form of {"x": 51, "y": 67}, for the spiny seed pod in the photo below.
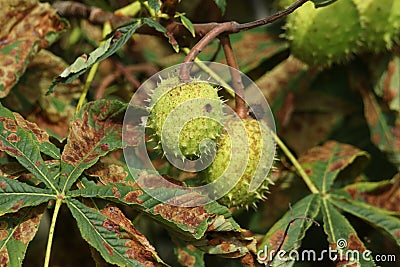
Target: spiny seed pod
{"x": 184, "y": 115}
{"x": 321, "y": 36}
{"x": 380, "y": 20}
{"x": 253, "y": 162}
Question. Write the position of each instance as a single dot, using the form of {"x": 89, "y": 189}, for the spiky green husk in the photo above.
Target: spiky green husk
{"x": 380, "y": 20}
{"x": 321, "y": 36}
{"x": 167, "y": 98}
{"x": 239, "y": 195}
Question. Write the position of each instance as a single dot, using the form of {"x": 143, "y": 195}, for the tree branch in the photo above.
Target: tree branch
{"x": 98, "y": 16}
{"x": 240, "y": 104}
{"x": 228, "y": 28}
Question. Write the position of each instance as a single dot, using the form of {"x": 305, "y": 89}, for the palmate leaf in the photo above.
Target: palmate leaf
{"x": 24, "y": 141}
{"x": 343, "y": 238}
{"x": 323, "y": 163}
{"x": 112, "y": 234}
{"x": 210, "y": 228}
{"x": 17, "y": 230}
{"x": 94, "y": 131}
{"x": 110, "y": 46}
{"x": 375, "y": 216}
{"x": 308, "y": 207}
{"x": 15, "y": 195}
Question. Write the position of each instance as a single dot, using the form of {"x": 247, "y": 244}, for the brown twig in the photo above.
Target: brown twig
{"x": 240, "y": 103}
{"x": 99, "y": 17}
{"x": 94, "y": 15}
{"x": 147, "y": 68}
{"x": 109, "y": 79}
{"x": 228, "y": 28}
{"x": 128, "y": 75}
{"x": 211, "y": 35}
{"x": 274, "y": 17}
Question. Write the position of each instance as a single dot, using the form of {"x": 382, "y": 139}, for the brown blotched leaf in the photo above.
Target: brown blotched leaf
{"x": 107, "y": 173}
{"x": 323, "y": 163}
{"x": 191, "y": 217}
{"x": 95, "y": 131}
{"x": 384, "y": 126}
{"x": 343, "y": 238}
{"x": 384, "y": 195}
{"x": 140, "y": 248}
{"x": 51, "y": 112}
{"x": 114, "y": 236}
{"x": 26, "y": 27}
{"x": 385, "y": 71}
{"x": 16, "y": 231}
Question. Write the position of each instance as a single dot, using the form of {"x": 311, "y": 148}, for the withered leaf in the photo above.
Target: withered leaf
{"x": 50, "y": 112}
{"x": 26, "y": 27}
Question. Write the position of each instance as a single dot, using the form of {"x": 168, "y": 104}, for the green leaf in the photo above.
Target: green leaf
{"x": 24, "y": 141}
{"x": 221, "y": 5}
{"x": 188, "y": 24}
{"x": 157, "y": 26}
{"x": 343, "y": 238}
{"x": 155, "y": 4}
{"x": 110, "y": 46}
{"x": 15, "y": 195}
{"x": 375, "y": 216}
{"x": 95, "y": 131}
{"x": 308, "y": 207}
{"x": 323, "y": 163}
{"x": 17, "y": 230}
{"x": 321, "y": 3}
{"x": 29, "y": 27}
{"x": 113, "y": 235}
